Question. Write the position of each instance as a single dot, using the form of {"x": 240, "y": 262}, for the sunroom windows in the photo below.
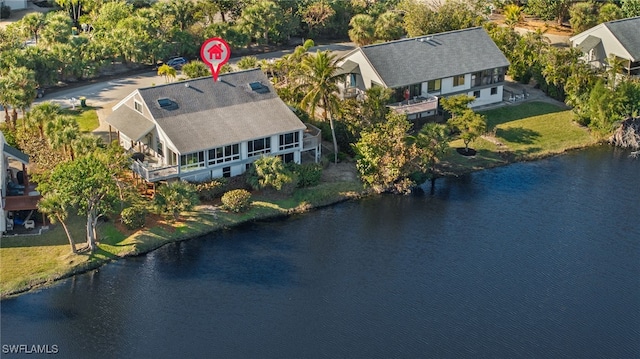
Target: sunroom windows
{"x": 258, "y": 147}
{"x": 224, "y": 154}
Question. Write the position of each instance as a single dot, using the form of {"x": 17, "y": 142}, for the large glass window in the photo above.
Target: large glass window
{"x": 224, "y": 154}
{"x": 434, "y": 85}
{"x": 160, "y": 149}
{"x": 258, "y": 147}
{"x": 192, "y": 161}
{"x": 458, "y": 80}
{"x": 289, "y": 140}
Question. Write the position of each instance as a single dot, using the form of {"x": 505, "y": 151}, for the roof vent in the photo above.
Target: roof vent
{"x": 167, "y": 104}
{"x": 258, "y": 87}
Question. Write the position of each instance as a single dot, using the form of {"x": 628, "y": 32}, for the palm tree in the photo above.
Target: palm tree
{"x": 41, "y": 114}
{"x": 33, "y": 23}
{"x": 62, "y": 132}
{"x": 362, "y": 29}
{"x": 166, "y": 71}
{"x": 389, "y": 26}
{"x": 318, "y": 81}
{"x": 20, "y": 85}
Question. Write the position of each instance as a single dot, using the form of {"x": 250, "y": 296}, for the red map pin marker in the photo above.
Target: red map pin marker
{"x": 215, "y": 52}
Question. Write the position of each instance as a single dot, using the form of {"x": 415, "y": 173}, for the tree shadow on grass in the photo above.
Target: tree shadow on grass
{"x": 517, "y": 135}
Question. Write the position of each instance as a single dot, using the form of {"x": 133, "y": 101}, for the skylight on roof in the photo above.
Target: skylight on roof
{"x": 258, "y": 87}
{"x": 167, "y": 104}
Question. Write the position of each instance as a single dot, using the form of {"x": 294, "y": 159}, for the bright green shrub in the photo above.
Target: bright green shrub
{"x": 210, "y": 190}
{"x": 237, "y": 200}
{"x": 133, "y": 217}
{"x": 308, "y": 174}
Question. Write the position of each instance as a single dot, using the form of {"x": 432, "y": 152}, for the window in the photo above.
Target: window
{"x": 494, "y": 90}
{"x": 352, "y": 80}
{"x": 160, "y": 149}
{"x": 433, "y": 85}
{"x": 224, "y": 154}
{"x": 192, "y": 161}
{"x": 289, "y": 140}
{"x": 287, "y": 158}
{"x": 476, "y": 94}
{"x": 137, "y": 106}
{"x": 458, "y": 80}
{"x": 226, "y": 172}
{"x": 258, "y": 147}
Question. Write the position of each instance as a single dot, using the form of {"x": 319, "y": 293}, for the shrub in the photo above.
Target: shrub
{"x": 175, "y": 197}
{"x": 237, "y": 200}
{"x": 210, "y": 190}
{"x": 308, "y": 174}
{"x": 270, "y": 172}
{"x": 133, "y": 217}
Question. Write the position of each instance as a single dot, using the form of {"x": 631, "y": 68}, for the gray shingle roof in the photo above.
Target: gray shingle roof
{"x": 130, "y": 122}
{"x": 627, "y": 31}
{"x": 409, "y": 61}
{"x": 212, "y": 114}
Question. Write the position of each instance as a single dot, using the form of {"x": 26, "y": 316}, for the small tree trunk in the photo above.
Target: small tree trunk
{"x": 335, "y": 143}
{"x": 66, "y": 230}
{"x": 91, "y": 241}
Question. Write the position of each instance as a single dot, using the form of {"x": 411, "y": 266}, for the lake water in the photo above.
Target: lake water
{"x": 533, "y": 260}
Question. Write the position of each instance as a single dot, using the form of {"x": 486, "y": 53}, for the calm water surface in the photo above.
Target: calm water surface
{"x": 533, "y": 260}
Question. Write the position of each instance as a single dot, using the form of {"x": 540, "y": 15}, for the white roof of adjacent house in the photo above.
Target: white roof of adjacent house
{"x": 200, "y": 114}
{"x": 436, "y": 56}
{"x": 623, "y": 35}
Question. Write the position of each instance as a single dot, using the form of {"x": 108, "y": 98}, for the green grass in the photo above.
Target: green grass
{"x": 87, "y": 117}
{"x": 523, "y": 132}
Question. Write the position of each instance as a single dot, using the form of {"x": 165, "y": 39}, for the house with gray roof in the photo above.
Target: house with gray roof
{"x": 619, "y": 38}
{"x": 200, "y": 129}
{"x": 421, "y": 69}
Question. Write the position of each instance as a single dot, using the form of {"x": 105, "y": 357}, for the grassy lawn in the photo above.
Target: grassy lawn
{"x": 527, "y": 131}
{"x": 87, "y": 117}
{"x": 27, "y": 260}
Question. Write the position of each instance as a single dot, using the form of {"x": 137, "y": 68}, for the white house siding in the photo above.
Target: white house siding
{"x": 486, "y": 98}
{"x": 368, "y": 74}
{"x": 447, "y": 85}
{"x": 238, "y": 167}
{"x": 610, "y": 43}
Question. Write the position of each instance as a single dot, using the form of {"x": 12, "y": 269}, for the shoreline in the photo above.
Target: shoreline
{"x": 142, "y": 246}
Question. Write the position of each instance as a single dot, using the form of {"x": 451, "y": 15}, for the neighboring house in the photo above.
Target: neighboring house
{"x": 421, "y": 69}
{"x": 620, "y": 38}
{"x": 15, "y": 4}
{"x": 200, "y": 129}
{"x": 17, "y": 193}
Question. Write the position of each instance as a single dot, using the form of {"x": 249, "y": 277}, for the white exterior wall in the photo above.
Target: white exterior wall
{"x": 238, "y": 167}
{"x": 486, "y": 98}
{"x": 368, "y": 73}
{"x": 447, "y": 85}
{"x": 609, "y": 42}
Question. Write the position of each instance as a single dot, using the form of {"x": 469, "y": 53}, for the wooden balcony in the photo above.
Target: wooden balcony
{"x": 153, "y": 172}
{"x": 416, "y": 106}
{"x": 21, "y": 202}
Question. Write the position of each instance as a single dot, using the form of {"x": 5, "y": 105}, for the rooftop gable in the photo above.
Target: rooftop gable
{"x": 627, "y": 31}
{"x": 420, "y": 59}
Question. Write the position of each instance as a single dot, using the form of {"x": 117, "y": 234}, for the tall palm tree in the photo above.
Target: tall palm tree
{"x": 62, "y": 132}
{"x": 318, "y": 81}
{"x": 41, "y": 114}
{"x": 21, "y": 86}
{"x": 362, "y": 29}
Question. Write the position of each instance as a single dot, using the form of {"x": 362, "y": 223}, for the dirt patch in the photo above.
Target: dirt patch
{"x": 151, "y": 220}
{"x": 340, "y": 172}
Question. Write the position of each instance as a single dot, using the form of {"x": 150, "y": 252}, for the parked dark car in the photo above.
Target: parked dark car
{"x": 177, "y": 62}
{"x": 39, "y": 92}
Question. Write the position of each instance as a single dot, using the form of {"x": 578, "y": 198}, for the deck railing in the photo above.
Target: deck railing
{"x": 153, "y": 174}
{"x": 311, "y": 138}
